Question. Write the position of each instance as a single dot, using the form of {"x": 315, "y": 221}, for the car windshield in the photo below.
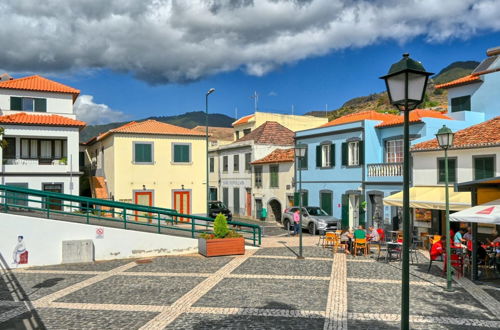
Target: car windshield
{"x": 316, "y": 211}
{"x": 217, "y": 205}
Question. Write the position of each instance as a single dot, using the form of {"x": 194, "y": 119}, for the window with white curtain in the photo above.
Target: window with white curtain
{"x": 325, "y": 155}
{"x": 353, "y": 148}
{"x": 45, "y": 149}
{"x": 394, "y": 151}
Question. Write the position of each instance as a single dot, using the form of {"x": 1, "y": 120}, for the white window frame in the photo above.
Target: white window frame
{"x": 353, "y": 153}
{"x": 326, "y": 149}
{"x": 394, "y": 151}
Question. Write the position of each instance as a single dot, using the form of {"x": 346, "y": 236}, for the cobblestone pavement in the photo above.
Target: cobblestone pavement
{"x": 267, "y": 288}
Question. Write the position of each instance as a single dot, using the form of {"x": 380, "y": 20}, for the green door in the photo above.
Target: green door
{"x": 305, "y": 200}
{"x": 326, "y": 201}
{"x": 345, "y": 211}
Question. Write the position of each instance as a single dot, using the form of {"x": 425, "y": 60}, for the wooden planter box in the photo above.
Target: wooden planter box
{"x": 221, "y": 246}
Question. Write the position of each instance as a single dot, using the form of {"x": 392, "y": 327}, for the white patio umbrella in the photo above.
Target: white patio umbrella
{"x": 484, "y": 213}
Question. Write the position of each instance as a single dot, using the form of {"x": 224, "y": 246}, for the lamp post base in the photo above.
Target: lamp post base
{"x": 449, "y": 289}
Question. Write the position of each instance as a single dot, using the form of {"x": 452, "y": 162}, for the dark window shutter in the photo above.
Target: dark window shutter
{"x": 344, "y": 154}
{"x": 305, "y": 198}
{"x": 361, "y": 151}
{"x": 16, "y": 103}
{"x": 41, "y": 105}
{"x": 296, "y": 199}
{"x": 452, "y": 175}
{"x": 318, "y": 156}
{"x": 332, "y": 155}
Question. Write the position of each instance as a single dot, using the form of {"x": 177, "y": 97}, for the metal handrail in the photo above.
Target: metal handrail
{"x": 86, "y": 207}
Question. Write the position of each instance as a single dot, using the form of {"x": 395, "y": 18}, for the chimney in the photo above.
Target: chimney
{"x": 493, "y": 51}
{"x": 5, "y": 77}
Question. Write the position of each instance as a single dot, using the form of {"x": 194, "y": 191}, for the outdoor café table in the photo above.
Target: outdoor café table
{"x": 393, "y": 234}
{"x": 393, "y": 248}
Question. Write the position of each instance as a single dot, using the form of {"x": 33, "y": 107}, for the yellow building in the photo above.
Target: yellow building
{"x": 150, "y": 163}
{"x": 246, "y": 124}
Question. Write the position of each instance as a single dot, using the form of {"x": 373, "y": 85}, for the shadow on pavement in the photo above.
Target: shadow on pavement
{"x": 13, "y": 298}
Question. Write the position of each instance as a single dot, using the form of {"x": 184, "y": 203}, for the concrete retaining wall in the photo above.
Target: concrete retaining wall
{"x": 43, "y": 240}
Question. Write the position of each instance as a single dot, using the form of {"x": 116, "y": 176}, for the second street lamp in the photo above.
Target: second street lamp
{"x": 445, "y": 140}
{"x": 406, "y": 83}
{"x": 300, "y": 152}
{"x": 210, "y": 91}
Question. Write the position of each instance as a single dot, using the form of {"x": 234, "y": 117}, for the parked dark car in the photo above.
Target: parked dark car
{"x": 217, "y": 207}
{"x": 313, "y": 219}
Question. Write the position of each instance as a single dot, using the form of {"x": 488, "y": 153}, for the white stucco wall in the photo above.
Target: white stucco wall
{"x": 57, "y": 103}
{"x": 425, "y": 171}
{"x": 43, "y": 241}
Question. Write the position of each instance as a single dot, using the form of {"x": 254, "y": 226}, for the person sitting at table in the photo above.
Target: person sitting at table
{"x": 437, "y": 249}
{"x": 495, "y": 240}
{"x": 373, "y": 235}
{"x": 359, "y": 233}
{"x": 458, "y": 238}
{"x": 480, "y": 253}
{"x": 346, "y": 240}
{"x": 468, "y": 234}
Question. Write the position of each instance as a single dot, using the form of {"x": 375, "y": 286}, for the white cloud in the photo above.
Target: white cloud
{"x": 162, "y": 41}
{"x": 93, "y": 113}
{"x": 272, "y": 93}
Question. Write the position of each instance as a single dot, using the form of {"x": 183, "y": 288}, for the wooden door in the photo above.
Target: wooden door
{"x": 53, "y": 203}
{"x": 326, "y": 198}
{"x": 143, "y": 198}
{"x": 182, "y": 203}
{"x": 249, "y": 203}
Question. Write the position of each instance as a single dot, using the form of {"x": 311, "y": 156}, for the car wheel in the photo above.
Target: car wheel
{"x": 311, "y": 228}
{"x": 286, "y": 224}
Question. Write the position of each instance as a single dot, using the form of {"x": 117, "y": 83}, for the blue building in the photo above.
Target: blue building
{"x": 477, "y": 92}
{"x": 355, "y": 161}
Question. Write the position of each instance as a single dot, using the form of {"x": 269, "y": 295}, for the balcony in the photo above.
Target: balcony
{"x": 31, "y": 162}
{"x": 385, "y": 170}
{"x": 18, "y": 165}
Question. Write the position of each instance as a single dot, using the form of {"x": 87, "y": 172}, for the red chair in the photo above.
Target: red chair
{"x": 457, "y": 262}
{"x": 381, "y": 234}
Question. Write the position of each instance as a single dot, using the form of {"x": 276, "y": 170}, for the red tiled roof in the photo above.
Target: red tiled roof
{"x": 461, "y": 81}
{"x": 149, "y": 127}
{"x": 480, "y": 135}
{"x": 277, "y": 156}
{"x": 415, "y": 116}
{"x": 270, "y": 133}
{"x": 243, "y": 120}
{"x": 38, "y": 83}
{"x": 358, "y": 116}
{"x": 22, "y": 118}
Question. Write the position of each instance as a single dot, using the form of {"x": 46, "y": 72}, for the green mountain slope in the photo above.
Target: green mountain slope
{"x": 454, "y": 71}
{"x": 188, "y": 120}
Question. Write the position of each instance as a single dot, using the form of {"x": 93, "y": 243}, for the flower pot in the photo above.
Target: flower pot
{"x": 221, "y": 246}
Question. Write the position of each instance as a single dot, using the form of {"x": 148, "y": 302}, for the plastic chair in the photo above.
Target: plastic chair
{"x": 360, "y": 244}
{"x": 434, "y": 258}
{"x": 329, "y": 239}
{"x": 321, "y": 238}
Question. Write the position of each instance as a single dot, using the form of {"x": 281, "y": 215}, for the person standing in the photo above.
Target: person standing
{"x": 296, "y": 222}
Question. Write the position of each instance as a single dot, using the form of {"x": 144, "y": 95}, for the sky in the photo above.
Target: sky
{"x": 134, "y": 59}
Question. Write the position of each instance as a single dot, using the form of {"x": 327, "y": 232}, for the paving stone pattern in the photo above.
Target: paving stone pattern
{"x": 267, "y": 288}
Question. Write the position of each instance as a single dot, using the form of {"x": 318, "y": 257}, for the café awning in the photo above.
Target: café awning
{"x": 431, "y": 198}
{"x": 485, "y": 213}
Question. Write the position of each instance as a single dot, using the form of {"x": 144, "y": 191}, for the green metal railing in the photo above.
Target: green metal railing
{"x": 165, "y": 221}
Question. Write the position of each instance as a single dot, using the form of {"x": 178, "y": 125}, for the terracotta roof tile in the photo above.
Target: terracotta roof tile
{"x": 38, "y": 83}
{"x": 480, "y": 135}
{"x": 243, "y": 120}
{"x": 415, "y": 116}
{"x": 22, "y": 118}
{"x": 270, "y": 132}
{"x": 358, "y": 116}
{"x": 277, "y": 156}
{"x": 150, "y": 127}
{"x": 461, "y": 81}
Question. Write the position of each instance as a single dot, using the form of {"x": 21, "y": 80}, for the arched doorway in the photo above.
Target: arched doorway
{"x": 274, "y": 210}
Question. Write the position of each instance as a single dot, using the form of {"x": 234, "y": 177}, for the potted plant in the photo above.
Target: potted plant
{"x": 63, "y": 161}
{"x": 222, "y": 241}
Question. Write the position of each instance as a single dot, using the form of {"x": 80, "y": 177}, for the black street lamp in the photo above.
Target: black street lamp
{"x": 406, "y": 83}
{"x": 445, "y": 140}
{"x": 300, "y": 152}
{"x": 210, "y": 91}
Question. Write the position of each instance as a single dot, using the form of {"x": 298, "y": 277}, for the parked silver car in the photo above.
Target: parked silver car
{"x": 313, "y": 219}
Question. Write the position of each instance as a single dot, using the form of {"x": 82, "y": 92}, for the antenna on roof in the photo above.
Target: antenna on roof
{"x": 293, "y": 109}
{"x": 236, "y": 112}
{"x": 255, "y": 97}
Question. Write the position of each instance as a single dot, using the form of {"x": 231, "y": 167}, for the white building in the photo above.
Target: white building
{"x": 273, "y": 182}
{"x": 473, "y": 156}
{"x": 42, "y": 135}
{"x": 235, "y": 171}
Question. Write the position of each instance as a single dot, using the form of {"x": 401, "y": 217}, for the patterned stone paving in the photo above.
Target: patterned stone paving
{"x": 268, "y": 288}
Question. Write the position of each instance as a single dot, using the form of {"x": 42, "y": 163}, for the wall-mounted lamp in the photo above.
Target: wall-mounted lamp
{"x": 182, "y": 186}
{"x": 143, "y": 187}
